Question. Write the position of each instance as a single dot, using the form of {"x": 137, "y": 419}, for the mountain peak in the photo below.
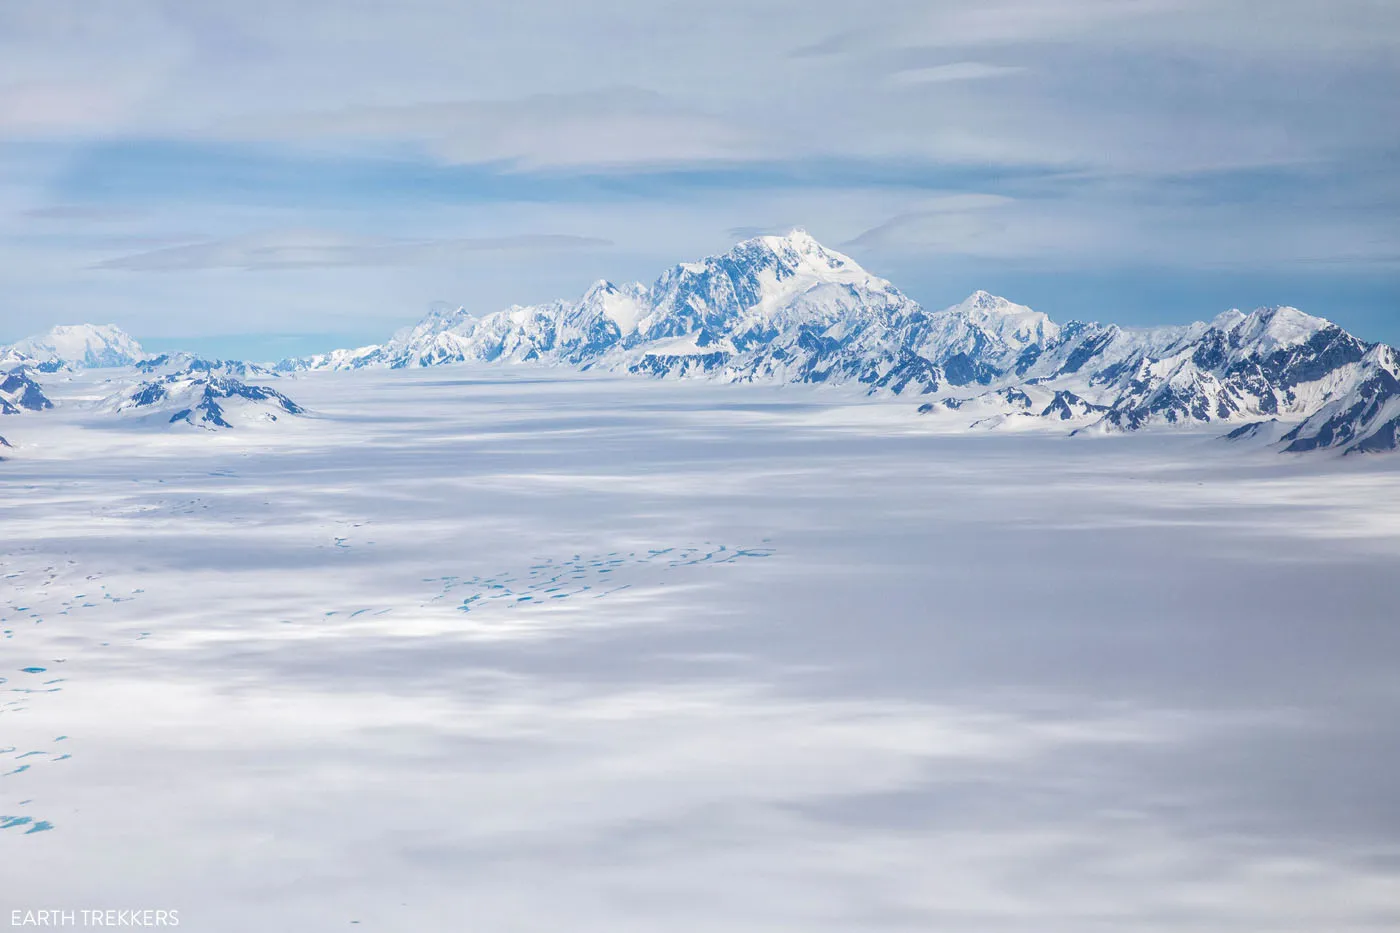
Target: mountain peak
{"x": 796, "y": 238}
{"x": 1274, "y": 328}
{"x": 796, "y": 248}
{"x": 763, "y": 271}
{"x": 598, "y": 290}
{"x": 1227, "y": 320}
{"x": 994, "y": 304}
{"x": 440, "y": 319}
{"x": 91, "y": 345}
{"x": 1016, "y": 325}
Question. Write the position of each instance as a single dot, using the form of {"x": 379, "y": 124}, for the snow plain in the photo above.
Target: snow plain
{"x": 505, "y": 648}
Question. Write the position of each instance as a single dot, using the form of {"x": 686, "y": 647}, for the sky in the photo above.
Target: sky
{"x": 263, "y": 179}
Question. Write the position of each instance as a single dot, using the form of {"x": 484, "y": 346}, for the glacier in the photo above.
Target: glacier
{"x": 688, "y": 654}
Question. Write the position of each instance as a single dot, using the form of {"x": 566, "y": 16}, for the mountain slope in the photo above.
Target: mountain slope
{"x": 20, "y": 392}
{"x": 1365, "y": 419}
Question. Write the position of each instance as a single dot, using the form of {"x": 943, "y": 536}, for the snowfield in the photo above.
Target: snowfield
{"x": 502, "y": 647}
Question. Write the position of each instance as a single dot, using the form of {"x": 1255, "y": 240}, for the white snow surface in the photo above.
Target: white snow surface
{"x": 483, "y": 647}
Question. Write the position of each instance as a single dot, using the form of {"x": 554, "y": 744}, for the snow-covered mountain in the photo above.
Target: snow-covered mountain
{"x": 1273, "y": 361}
{"x": 1274, "y": 365}
{"x": 20, "y": 392}
{"x": 787, "y": 309}
{"x": 772, "y": 308}
{"x": 1364, "y": 419}
{"x": 179, "y": 362}
{"x": 202, "y": 393}
{"x": 85, "y": 345}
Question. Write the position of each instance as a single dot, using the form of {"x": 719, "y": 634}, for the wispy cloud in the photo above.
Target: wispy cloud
{"x": 749, "y": 232}
{"x": 839, "y": 43}
{"x": 85, "y": 213}
{"x": 954, "y": 71}
{"x": 310, "y": 249}
{"x": 958, "y": 223}
{"x": 601, "y": 128}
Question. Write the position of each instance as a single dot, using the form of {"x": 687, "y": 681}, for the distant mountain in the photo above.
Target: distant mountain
{"x": 787, "y": 309}
{"x": 181, "y": 362}
{"x": 772, "y": 308}
{"x": 172, "y": 388}
{"x": 201, "y": 393}
{"x": 80, "y": 345}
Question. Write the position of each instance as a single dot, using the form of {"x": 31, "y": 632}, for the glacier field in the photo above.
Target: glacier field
{"x": 476, "y": 647}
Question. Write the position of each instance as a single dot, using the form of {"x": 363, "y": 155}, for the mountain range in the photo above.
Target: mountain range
{"x": 164, "y": 389}
{"x": 785, "y": 309}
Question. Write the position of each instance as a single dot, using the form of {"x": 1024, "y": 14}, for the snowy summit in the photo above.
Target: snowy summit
{"x": 82, "y": 345}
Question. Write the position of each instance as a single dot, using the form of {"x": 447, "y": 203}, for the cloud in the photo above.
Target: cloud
{"x": 954, "y": 71}
{"x": 749, "y": 232}
{"x": 83, "y": 73}
{"x": 1003, "y": 21}
{"x": 311, "y": 249}
{"x": 959, "y": 223}
{"x": 77, "y": 212}
{"x": 638, "y": 122}
{"x": 1099, "y": 225}
{"x": 620, "y": 83}
{"x": 839, "y": 43}
{"x": 611, "y": 127}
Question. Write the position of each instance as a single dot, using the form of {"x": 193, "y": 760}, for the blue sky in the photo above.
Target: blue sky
{"x": 250, "y": 179}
